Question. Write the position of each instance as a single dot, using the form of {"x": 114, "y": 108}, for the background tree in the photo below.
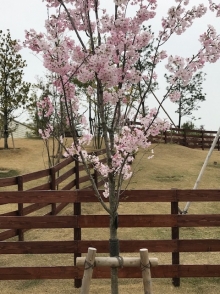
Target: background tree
{"x": 43, "y": 91}
{"x": 188, "y": 125}
{"x": 13, "y": 90}
{"x": 191, "y": 95}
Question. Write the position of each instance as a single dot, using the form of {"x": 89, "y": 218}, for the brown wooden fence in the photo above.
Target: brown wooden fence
{"x": 174, "y": 245}
{"x": 190, "y": 138}
{"x": 201, "y": 139}
{"x": 67, "y": 175}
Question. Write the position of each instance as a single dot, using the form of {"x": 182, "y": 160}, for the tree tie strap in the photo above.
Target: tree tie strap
{"x": 120, "y": 261}
{"x": 88, "y": 265}
{"x": 144, "y": 267}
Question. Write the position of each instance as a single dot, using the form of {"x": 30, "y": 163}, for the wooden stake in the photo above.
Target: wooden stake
{"x": 89, "y": 264}
{"x": 145, "y": 268}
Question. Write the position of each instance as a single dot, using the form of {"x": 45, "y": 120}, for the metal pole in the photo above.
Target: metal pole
{"x": 203, "y": 168}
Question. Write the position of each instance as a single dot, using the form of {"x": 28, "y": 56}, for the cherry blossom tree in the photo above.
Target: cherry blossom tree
{"x": 86, "y": 43}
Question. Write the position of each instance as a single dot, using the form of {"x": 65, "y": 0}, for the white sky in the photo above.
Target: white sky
{"x": 25, "y": 14}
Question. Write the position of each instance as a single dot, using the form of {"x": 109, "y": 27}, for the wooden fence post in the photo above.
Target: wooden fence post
{"x": 175, "y": 236}
{"x": 77, "y": 231}
{"x": 88, "y": 270}
{"x": 202, "y": 140}
{"x": 53, "y": 187}
{"x": 20, "y": 206}
{"x": 184, "y": 138}
{"x": 145, "y": 268}
{"x": 165, "y": 137}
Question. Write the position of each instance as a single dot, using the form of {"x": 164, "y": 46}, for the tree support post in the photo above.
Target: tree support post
{"x": 203, "y": 168}
{"x": 145, "y": 268}
{"x": 144, "y": 262}
{"x": 89, "y": 264}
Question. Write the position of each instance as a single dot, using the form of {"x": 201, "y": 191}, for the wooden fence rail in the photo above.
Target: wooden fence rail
{"x": 175, "y": 246}
{"x": 190, "y": 138}
{"x": 52, "y": 177}
{"x": 66, "y": 175}
{"x": 201, "y": 139}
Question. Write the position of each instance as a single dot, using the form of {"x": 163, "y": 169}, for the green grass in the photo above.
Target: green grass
{"x": 7, "y": 173}
{"x": 173, "y": 166}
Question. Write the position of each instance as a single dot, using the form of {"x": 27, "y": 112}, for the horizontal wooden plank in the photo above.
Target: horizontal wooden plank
{"x": 207, "y": 220}
{"x": 81, "y": 167}
{"x": 133, "y": 196}
{"x": 191, "y": 131}
{"x": 50, "y": 247}
{"x": 162, "y": 271}
{"x": 71, "y": 272}
{"x": 198, "y": 195}
{"x": 12, "y": 213}
{"x": 34, "y": 207}
{"x": 70, "y": 185}
{"x": 45, "y": 186}
{"x": 64, "y": 176}
{"x": 36, "y": 175}
{"x": 125, "y": 196}
{"x": 30, "y": 273}
{"x": 38, "y": 247}
{"x": 126, "y": 246}
{"x": 38, "y": 197}
{"x": 158, "y": 196}
{"x": 8, "y": 181}
{"x": 7, "y": 234}
{"x": 132, "y": 221}
{"x": 60, "y": 207}
{"x": 84, "y": 179}
{"x": 64, "y": 163}
{"x": 33, "y": 222}
{"x": 127, "y": 221}
{"x": 102, "y": 221}
{"x": 198, "y": 245}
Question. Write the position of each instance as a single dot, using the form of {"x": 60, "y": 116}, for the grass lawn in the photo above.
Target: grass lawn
{"x": 173, "y": 166}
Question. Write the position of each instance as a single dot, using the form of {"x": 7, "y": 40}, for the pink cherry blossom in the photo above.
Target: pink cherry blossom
{"x": 85, "y": 44}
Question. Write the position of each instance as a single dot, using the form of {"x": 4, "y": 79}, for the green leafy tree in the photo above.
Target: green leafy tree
{"x": 190, "y": 95}
{"x": 189, "y": 125}
{"x": 13, "y": 90}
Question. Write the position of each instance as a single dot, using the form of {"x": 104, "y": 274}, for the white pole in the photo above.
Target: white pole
{"x": 203, "y": 168}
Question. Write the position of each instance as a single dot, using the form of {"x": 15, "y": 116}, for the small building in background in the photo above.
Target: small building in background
{"x": 20, "y": 130}
{"x": 16, "y": 129}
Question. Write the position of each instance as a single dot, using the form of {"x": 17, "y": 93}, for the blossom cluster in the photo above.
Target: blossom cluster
{"x": 214, "y": 7}
{"x": 179, "y": 19}
{"x": 45, "y": 107}
{"x": 87, "y": 45}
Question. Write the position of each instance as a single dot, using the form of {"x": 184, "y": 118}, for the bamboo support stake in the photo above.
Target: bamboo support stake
{"x": 115, "y": 262}
{"x": 203, "y": 168}
{"x": 145, "y": 268}
{"x": 89, "y": 264}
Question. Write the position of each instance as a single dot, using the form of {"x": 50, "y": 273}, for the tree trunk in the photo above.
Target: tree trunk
{"x": 113, "y": 242}
{"x": 180, "y": 109}
{"x": 5, "y": 131}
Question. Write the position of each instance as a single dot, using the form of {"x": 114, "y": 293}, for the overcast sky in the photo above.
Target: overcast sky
{"x": 25, "y": 14}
